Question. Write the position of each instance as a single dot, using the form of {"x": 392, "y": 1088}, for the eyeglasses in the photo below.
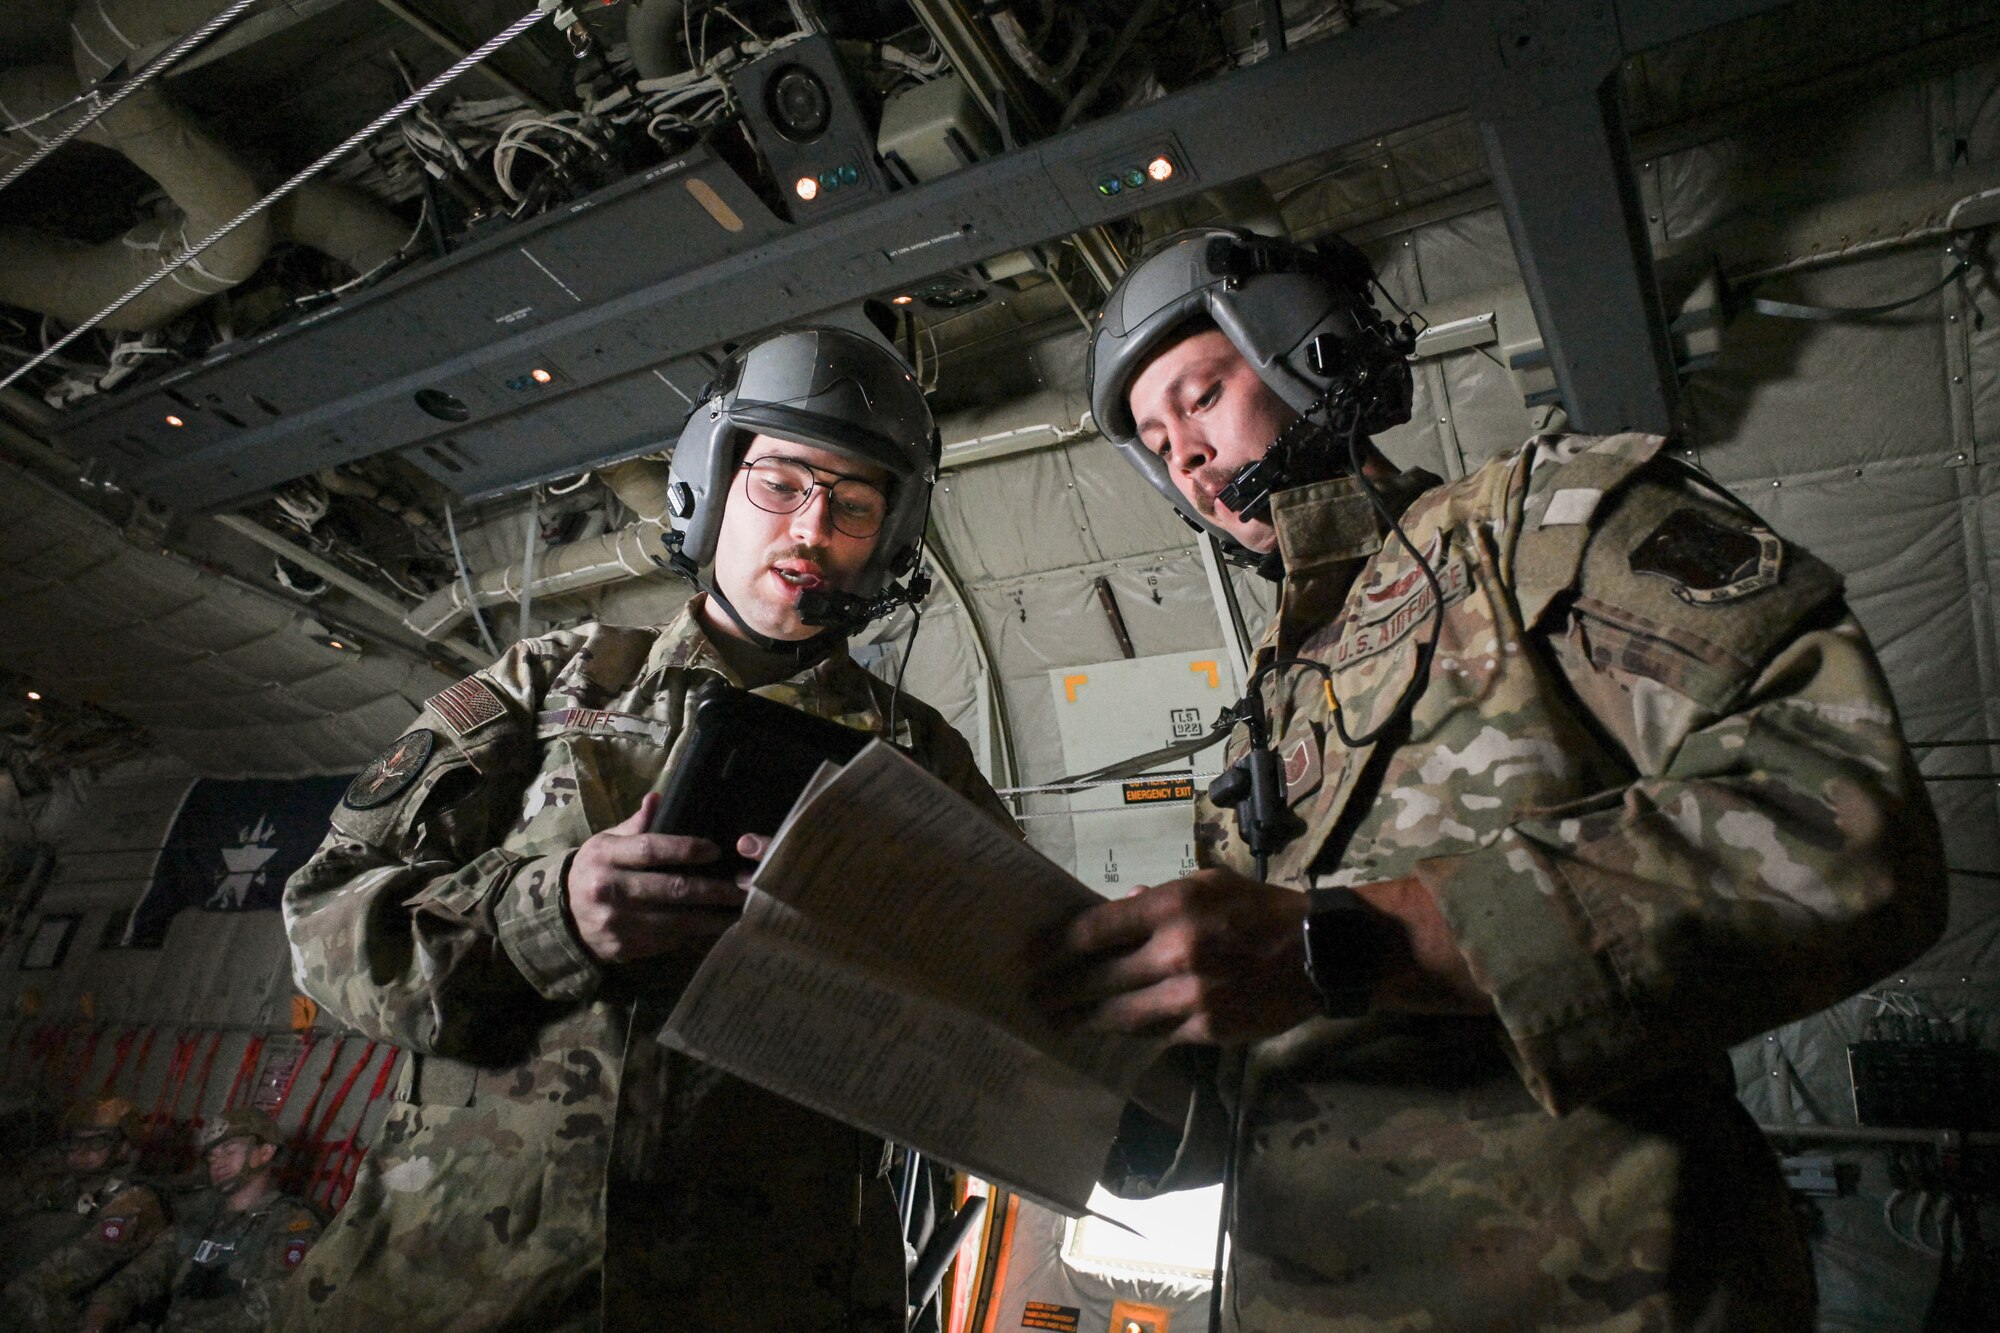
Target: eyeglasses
{"x": 780, "y": 485}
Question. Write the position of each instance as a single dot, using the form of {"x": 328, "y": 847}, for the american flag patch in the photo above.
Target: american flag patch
{"x": 468, "y": 705}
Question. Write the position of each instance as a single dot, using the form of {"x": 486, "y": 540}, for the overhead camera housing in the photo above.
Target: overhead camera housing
{"x": 807, "y": 123}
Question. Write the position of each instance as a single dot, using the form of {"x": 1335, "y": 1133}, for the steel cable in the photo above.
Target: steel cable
{"x": 153, "y": 70}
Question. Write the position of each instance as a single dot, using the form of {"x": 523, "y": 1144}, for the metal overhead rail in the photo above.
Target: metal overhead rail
{"x": 1538, "y": 76}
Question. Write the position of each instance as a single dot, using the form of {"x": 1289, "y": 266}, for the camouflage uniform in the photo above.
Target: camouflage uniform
{"x": 219, "y": 1268}
{"x": 548, "y": 1164}
{"x": 90, "y": 1228}
{"x": 1656, "y": 786}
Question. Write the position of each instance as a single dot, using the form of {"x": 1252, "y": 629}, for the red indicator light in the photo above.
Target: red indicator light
{"x": 1160, "y": 168}
{"x": 540, "y": 376}
{"x": 901, "y": 300}
{"x": 808, "y": 188}
{"x": 173, "y": 420}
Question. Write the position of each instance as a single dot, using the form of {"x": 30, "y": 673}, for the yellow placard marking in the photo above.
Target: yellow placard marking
{"x": 714, "y": 205}
{"x": 1146, "y": 791}
{"x": 1069, "y": 686}
{"x": 1214, "y": 675}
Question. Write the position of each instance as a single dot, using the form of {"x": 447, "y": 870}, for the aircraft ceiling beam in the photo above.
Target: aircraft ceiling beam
{"x": 1520, "y": 66}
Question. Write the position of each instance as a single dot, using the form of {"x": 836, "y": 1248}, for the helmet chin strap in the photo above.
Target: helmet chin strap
{"x": 803, "y": 652}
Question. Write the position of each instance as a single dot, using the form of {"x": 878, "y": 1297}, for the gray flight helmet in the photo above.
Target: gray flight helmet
{"x": 828, "y": 387}
{"x": 1275, "y": 301}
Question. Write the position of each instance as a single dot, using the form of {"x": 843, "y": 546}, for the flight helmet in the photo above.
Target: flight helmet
{"x": 1302, "y": 316}
{"x": 828, "y": 387}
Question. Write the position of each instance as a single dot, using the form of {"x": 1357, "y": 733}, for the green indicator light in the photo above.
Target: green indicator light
{"x": 1109, "y": 185}
{"x": 849, "y": 175}
{"x": 1134, "y": 178}
{"x": 830, "y": 179}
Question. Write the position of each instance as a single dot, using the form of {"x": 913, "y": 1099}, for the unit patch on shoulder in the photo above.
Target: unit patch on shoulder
{"x": 114, "y": 1229}
{"x": 391, "y": 772}
{"x": 295, "y": 1252}
{"x": 468, "y": 705}
{"x": 1707, "y": 562}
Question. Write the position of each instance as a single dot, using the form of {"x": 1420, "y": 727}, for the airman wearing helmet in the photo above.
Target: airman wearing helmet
{"x": 217, "y": 1267}
{"x": 1479, "y": 917}
{"x": 70, "y": 1232}
{"x": 489, "y": 899}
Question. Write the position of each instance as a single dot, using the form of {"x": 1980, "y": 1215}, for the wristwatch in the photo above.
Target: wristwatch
{"x": 1348, "y": 947}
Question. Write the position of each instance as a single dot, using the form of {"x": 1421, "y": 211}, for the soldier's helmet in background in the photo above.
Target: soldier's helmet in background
{"x": 243, "y": 1122}
{"x": 101, "y": 1118}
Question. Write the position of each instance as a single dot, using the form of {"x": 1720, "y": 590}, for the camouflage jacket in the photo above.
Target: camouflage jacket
{"x": 548, "y": 1163}
{"x": 1655, "y": 782}
{"x": 96, "y": 1227}
{"x": 217, "y": 1269}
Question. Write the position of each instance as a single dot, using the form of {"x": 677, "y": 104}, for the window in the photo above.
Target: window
{"x": 1176, "y": 1234}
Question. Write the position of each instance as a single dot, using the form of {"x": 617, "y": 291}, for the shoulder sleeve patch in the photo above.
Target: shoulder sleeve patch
{"x": 295, "y": 1251}
{"x": 468, "y": 705}
{"x": 1706, "y": 562}
{"x": 390, "y": 774}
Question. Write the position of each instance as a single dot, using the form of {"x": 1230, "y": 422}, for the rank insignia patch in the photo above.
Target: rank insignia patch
{"x": 1707, "y": 562}
{"x": 468, "y": 705}
{"x": 391, "y": 772}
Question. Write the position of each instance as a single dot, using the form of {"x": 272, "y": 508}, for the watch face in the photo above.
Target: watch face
{"x": 1345, "y": 950}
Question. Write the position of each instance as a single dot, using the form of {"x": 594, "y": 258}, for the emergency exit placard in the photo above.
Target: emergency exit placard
{"x": 1138, "y": 831}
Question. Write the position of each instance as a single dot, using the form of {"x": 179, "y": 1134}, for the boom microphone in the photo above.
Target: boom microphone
{"x": 829, "y": 608}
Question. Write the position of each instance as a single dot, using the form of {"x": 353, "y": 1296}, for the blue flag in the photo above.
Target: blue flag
{"x": 231, "y": 849}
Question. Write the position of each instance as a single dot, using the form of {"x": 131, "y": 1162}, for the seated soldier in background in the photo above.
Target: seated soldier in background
{"x": 69, "y": 1231}
{"x": 217, "y": 1265}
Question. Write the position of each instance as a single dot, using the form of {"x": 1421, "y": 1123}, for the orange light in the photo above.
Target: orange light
{"x": 901, "y": 300}
{"x": 540, "y": 376}
{"x": 808, "y": 188}
{"x": 35, "y": 695}
{"x": 335, "y": 643}
{"x": 1160, "y": 168}
{"x": 173, "y": 420}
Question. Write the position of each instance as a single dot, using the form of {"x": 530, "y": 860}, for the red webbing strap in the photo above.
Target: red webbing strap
{"x": 318, "y": 1140}
{"x": 80, "y": 1070}
{"x": 195, "y": 1117}
{"x": 45, "y": 1051}
{"x": 246, "y": 1070}
{"x": 145, "y": 1056}
{"x": 306, "y": 1042}
{"x": 347, "y": 1158}
{"x": 121, "y": 1051}
{"x": 177, "y": 1072}
{"x": 303, "y": 1132}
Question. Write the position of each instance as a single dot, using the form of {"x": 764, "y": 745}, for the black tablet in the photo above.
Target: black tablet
{"x": 745, "y": 762}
